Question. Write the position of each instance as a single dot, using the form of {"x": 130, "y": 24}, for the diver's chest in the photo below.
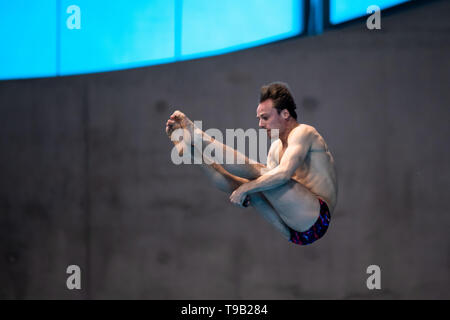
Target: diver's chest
{"x": 303, "y": 167}
{"x": 280, "y": 154}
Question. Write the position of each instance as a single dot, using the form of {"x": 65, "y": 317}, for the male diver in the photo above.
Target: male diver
{"x": 297, "y": 190}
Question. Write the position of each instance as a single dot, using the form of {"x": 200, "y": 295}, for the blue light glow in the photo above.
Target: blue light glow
{"x": 344, "y": 10}
{"x": 117, "y": 34}
{"x": 214, "y": 27}
{"x": 61, "y": 37}
{"x": 27, "y": 38}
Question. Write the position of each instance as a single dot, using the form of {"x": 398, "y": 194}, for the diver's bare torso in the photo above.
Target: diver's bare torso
{"x": 317, "y": 172}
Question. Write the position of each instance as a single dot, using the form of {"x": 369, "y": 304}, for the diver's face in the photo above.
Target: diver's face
{"x": 269, "y": 118}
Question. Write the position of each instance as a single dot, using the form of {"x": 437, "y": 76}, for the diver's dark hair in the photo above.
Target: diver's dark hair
{"x": 281, "y": 97}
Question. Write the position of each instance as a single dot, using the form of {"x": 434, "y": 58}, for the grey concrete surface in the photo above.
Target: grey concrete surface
{"x": 86, "y": 176}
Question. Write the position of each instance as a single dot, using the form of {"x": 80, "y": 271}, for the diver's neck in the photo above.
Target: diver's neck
{"x": 285, "y": 133}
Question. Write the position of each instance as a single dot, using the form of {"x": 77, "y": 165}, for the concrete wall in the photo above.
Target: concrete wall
{"x": 86, "y": 176}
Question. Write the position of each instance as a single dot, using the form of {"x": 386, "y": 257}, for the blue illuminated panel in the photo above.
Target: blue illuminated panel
{"x": 344, "y": 10}
{"x": 116, "y": 35}
{"x": 64, "y": 37}
{"x": 214, "y": 27}
{"x": 27, "y": 38}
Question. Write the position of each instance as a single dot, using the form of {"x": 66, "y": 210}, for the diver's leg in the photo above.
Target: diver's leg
{"x": 240, "y": 165}
{"x": 298, "y": 207}
{"x": 228, "y": 182}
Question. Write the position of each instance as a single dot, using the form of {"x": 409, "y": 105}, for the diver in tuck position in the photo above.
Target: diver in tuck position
{"x": 297, "y": 190}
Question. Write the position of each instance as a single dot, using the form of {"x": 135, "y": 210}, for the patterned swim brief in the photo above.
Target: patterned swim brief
{"x": 316, "y": 231}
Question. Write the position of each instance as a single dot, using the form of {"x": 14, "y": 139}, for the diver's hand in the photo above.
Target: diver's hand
{"x": 240, "y": 198}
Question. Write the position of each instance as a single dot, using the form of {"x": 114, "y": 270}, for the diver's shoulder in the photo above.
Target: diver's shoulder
{"x": 302, "y": 132}
{"x": 306, "y": 128}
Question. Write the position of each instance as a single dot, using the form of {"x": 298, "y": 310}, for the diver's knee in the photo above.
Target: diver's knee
{"x": 256, "y": 198}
